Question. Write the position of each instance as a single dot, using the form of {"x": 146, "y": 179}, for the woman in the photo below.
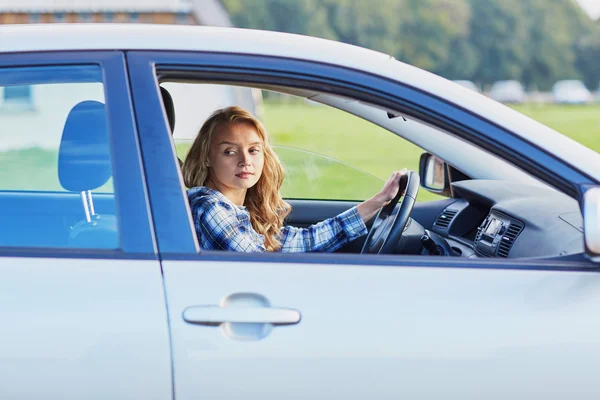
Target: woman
{"x": 234, "y": 178}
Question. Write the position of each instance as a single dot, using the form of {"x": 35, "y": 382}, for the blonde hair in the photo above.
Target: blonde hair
{"x": 266, "y": 207}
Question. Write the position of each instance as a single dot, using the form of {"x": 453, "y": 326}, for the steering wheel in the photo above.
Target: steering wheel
{"x": 391, "y": 220}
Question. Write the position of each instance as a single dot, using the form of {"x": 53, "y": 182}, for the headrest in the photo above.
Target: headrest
{"x": 84, "y": 153}
{"x": 169, "y": 107}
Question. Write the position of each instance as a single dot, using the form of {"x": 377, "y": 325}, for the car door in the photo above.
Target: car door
{"x": 81, "y": 298}
{"x": 355, "y": 326}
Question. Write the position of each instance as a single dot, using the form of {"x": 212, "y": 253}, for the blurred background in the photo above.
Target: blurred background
{"x": 540, "y": 57}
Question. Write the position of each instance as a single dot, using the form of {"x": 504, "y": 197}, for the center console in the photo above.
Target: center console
{"x": 496, "y": 235}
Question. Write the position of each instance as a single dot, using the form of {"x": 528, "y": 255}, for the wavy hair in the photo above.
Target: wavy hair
{"x": 266, "y": 207}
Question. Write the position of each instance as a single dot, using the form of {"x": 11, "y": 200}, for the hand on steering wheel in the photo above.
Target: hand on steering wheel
{"x": 391, "y": 220}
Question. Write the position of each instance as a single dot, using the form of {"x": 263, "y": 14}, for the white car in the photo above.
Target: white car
{"x": 571, "y": 91}
{"x": 468, "y": 84}
{"x": 488, "y": 292}
{"x": 509, "y": 91}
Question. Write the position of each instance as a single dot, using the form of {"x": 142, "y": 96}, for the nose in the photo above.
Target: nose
{"x": 244, "y": 160}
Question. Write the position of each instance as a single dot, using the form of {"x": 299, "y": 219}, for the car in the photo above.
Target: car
{"x": 468, "y": 84}
{"x": 571, "y": 91}
{"x": 487, "y": 290}
{"x": 508, "y": 91}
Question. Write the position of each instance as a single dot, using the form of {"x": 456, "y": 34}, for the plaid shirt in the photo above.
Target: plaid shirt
{"x": 221, "y": 225}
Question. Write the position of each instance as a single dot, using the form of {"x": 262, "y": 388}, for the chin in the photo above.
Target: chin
{"x": 243, "y": 184}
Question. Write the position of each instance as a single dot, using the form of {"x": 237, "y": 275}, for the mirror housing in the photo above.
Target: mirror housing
{"x": 591, "y": 221}
{"x": 434, "y": 174}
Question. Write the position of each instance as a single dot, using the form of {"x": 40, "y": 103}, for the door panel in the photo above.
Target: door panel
{"x": 82, "y": 303}
{"x": 389, "y": 332}
{"x": 83, "y": 329}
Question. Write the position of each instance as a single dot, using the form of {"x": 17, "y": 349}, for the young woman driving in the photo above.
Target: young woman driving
{"x": 234, "y": 178}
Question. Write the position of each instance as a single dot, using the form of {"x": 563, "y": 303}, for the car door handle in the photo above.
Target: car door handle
{"x": 215, "y": 315}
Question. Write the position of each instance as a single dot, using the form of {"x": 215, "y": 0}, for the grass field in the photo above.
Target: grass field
{"x": 325, "y": 131}
{"x": 379, "y": 151}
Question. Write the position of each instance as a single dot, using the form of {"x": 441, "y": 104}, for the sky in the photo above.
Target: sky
{"x": 592, "y": 7}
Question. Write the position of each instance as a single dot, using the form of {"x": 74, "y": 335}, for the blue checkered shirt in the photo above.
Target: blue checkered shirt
{"x": 221, "y": 225}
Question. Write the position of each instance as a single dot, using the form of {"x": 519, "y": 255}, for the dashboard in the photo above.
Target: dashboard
{"x": 499, "y": 219}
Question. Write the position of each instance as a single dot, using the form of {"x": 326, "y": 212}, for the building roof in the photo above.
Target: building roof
{"x": 77, "y": 6}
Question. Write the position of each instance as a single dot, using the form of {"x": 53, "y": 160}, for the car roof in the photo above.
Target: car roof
{"x": 56, "y": 37}
{"x": 68, "y": 36}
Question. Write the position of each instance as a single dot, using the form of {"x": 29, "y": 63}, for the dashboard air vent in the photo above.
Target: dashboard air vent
{"x": 508, "y": 239}
{"x": 444, "y": 219}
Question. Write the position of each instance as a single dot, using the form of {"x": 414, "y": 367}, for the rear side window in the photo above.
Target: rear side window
{"x": 55, "y": 159}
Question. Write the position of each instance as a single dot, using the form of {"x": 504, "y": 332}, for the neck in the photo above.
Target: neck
{"x": 236, "y": 196}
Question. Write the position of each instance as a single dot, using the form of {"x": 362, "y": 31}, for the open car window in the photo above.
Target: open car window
{"x": 327, "y": 154}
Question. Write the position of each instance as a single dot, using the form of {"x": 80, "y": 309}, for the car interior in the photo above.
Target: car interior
{"x": 485, "y": 207}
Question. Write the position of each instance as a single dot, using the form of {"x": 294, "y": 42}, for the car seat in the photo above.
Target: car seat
{"x": 84, "y": 164}
{"x": 170, "y": 110}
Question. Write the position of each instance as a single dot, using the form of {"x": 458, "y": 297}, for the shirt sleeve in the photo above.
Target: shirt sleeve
{"x": 326, "y": 236}
{"x": 221, "y": 230}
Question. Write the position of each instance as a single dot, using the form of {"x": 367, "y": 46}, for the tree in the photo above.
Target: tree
{"x": 294, "y": 16}
{"x": 588, "y": 58}
{"x": 498, "y": 31}
{"x": 554, "y": 26}
{"x": 359, "y": 22}
{"x": 429, "y": 28}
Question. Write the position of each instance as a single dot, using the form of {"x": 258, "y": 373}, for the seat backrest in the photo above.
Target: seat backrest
{"x": 169, "y": 107}
{"x": 84, "y": 164}
{"x": 170, "y": 110}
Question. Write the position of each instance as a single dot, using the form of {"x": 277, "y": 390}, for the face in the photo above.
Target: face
{"x": 236, "y": 157}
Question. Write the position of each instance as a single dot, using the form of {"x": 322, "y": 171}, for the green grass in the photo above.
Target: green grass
{"x": 378, "y": 152}
{"x": 341, "y": 136}
{"x": 579, "y": 122}
{"x": 325, "y": 131}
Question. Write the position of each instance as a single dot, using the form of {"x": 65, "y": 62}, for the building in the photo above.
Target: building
{"x": 70, "y": 11}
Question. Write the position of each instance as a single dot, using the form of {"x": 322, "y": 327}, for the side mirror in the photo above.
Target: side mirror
{"x": 591, "y": 220}
{"x": 434, "y": 174}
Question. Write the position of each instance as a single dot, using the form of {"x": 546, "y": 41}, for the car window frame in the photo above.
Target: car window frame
{"x": 136, "y": 238}
{"x": 175, "y": 232}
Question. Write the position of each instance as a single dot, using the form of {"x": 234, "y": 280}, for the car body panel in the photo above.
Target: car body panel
{"x": 83, "y": 329}
{"x": 389, "y": 332}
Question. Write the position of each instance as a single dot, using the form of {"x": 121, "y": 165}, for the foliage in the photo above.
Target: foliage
{"x": 588, "y": 56}
{"x": 536, "y": 41}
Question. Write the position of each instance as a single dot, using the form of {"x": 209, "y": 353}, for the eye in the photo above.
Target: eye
{"x": 254, "y": 151}
{"x": 229, "y": 152}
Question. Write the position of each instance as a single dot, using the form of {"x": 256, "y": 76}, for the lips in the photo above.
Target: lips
{"x": 244, "y": 175}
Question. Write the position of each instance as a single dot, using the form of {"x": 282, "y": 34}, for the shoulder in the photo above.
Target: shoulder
{"x": 208, "y": 204}
{"x": 203, "y": 197}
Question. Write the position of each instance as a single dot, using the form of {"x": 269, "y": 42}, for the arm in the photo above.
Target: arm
{"x": 326, "y": 236}
{"x": 333, "y": 233}
{"x": 218, "y": 228}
